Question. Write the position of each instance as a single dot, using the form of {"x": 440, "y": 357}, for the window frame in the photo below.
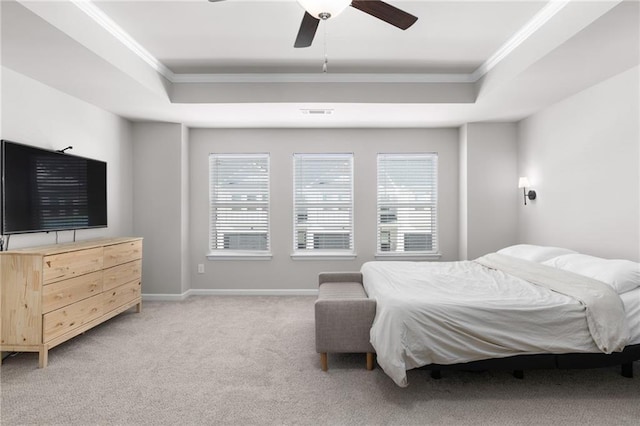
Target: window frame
{"x": 391, "y": 212}
{"x": 320, "y": 253}
{"x": 215, "y": 253}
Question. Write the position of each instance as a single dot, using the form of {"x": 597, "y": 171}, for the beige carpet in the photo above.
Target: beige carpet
{"x": 251, "y": 360}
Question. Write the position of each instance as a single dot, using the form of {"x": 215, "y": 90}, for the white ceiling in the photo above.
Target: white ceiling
{"x": 232, "y": 63}
{"x": 237, "y": 36}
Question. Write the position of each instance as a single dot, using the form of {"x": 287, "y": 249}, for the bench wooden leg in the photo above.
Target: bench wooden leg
{"x": 369, "y": 361}
{"x": 323, "y": 361}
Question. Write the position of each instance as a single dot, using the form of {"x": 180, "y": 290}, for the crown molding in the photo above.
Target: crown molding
{"x": 534, "y": 24}
{"x": 322, "y": 78}
{"x": 543, "y": 16}
{"x": 122, "y": 36}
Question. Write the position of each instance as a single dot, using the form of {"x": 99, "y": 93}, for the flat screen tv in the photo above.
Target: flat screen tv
{"x": 45, "y": 190}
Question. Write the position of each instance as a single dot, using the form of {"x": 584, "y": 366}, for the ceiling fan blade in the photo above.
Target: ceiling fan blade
{"x": 307, "y": 30}
{"x": 389, "y": 14}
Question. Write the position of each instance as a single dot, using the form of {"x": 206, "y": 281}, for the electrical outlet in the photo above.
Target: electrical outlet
{"x": 200, "y": 268}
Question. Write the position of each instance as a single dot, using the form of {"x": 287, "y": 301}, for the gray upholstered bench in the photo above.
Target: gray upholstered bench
{"x": 344, "y": 315}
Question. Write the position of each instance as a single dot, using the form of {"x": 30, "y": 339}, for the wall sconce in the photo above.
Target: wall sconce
{"x": 523, "y": 183}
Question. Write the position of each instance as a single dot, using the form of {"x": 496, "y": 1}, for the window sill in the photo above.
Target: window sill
{"x": 239, "y": 256}
{"x": 405, "y": 256}
{"x": 323, "y": 256}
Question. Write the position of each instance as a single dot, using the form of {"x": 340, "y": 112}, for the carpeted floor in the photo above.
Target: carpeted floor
{"x": 251, "y": 360}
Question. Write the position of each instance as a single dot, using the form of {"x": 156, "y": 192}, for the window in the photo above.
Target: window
{"x": 239, "y": 204}
{"x": 323, "y": 203}
{"x": 407, "y": 204}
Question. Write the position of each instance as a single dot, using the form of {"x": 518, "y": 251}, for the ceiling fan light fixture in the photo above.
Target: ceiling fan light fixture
{"x": 324, "y": 9}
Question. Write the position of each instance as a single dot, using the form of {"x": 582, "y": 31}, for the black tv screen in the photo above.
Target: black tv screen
{"x": 45, "y": 190}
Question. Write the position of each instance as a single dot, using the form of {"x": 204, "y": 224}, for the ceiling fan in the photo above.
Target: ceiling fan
{"x": 316, "y": 10}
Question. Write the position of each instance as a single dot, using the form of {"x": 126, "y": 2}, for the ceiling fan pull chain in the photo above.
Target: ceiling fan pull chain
{"x": 326, "y": 57}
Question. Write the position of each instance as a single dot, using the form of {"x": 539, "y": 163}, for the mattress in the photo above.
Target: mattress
{"x": 631, "y": 301}
{"x": 456, "y": 312}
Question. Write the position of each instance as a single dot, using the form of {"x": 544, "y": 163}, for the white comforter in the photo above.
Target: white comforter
{"x": 455, "y": 312}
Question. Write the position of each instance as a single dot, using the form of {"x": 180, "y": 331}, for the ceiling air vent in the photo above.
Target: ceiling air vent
{"x": 317, "y": 111}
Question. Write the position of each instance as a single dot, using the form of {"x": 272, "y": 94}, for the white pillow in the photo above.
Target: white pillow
{"x": 622, "y": 275}
{"x": 534, "y": 253}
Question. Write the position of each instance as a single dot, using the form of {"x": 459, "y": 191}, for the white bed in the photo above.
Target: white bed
{"x": 456, "y": 312}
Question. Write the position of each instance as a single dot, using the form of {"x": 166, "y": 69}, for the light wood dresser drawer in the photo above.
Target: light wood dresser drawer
{"x": 121, "y": 274}
{"x": 66, "y": 319}
{"x": 119, "y": 296}
{"x": 122, "y": 253}
{"x": 58, "y": 267}
{"x": 50, "y": 294}
{"x": 63, "y": 293}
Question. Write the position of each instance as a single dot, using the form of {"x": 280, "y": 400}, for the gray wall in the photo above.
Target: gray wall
{"x": 488, "y": 184}
{"x": 463, "y": 231}
{"x": 282, "y": 272}
{"x": 161, "y": 205}
{"x": 582, "y": 157}
{"x": 35, "y": 114}
{"x": 184, "y": 210}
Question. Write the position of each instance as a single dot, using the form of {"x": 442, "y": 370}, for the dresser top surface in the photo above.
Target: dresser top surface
{"x": 69, "y": 247}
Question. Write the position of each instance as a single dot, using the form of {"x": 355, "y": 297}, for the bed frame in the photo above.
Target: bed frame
{"x": 519, "y": 363}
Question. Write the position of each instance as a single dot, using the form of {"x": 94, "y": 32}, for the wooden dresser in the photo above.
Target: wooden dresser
{"x": 53, "y": 293}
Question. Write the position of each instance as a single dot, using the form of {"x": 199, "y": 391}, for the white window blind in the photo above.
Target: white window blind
{"x": 323, "y": 203}
{"x": 239, "y": 203}
{"x": 407, "y": 203}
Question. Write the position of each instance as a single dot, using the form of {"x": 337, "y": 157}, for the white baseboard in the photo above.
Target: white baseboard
{"x": 227, "y": 292}
{"x": 253, "y": 292}
{"x": 164, "y": 297}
